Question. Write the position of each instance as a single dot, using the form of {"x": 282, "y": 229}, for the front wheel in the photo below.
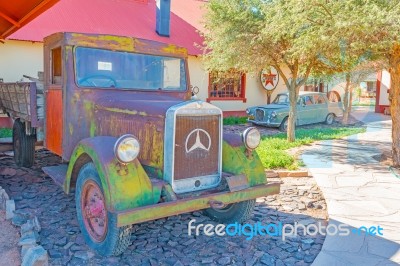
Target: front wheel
{"x": 284, "y": 125}
{"x": 24, "y": 145}
{"x": 97, "y": 224}
{"x": 329, "y": 119}
{"x": 232, "y": 213}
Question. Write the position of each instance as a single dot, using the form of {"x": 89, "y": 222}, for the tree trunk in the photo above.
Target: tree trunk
{"x": 346, "y": 101}
{"x": 291, "y": 135}
{"x": 394, "y": 98}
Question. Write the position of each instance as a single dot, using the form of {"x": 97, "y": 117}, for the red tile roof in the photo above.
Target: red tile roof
{"x": 134, "y": 18}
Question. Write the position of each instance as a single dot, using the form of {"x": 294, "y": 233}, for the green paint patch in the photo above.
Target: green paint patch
{"x": 5, "y": 132}
{"x": 232, "y": 120}
{"x": 273, "y": 149}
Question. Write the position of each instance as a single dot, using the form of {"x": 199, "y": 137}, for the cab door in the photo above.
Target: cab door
{"x": 54, "y": 101}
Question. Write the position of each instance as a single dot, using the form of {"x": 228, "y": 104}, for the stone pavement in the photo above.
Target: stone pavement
{"x": 359, "y": 191}
{"x": 166, "y": 241}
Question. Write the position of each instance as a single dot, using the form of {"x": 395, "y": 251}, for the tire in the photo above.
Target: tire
{"x": 235, "y": 212}
{"x": 329, "y": 119}
{"x": 283, "y": 125}
{"x": 24, "y": 145}
{"x": 113, "y": 241}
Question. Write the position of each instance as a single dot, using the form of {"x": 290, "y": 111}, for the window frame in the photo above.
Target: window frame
{"x": 218, "y": 98}
{"x": 75, "y": 62}
{"x": 317, "y": 97}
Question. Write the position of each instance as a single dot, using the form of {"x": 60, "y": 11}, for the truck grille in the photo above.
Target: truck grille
{"x": 196, "y": 146}
{"x": 260, "y": 114}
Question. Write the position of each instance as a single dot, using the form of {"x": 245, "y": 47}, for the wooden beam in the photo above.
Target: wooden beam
{"x": 28, "y": 16}
{"x": 12, "y": 21}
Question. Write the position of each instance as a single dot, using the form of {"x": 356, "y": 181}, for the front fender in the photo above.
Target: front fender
{"x": 235, "y": 160}
{"x": 125, "y": 186}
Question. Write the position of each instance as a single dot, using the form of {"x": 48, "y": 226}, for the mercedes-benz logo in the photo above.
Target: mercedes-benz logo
{"x": 198, "y": 144}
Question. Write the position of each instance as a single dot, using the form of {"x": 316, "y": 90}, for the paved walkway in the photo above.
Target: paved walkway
{"x": 359, "y": 191}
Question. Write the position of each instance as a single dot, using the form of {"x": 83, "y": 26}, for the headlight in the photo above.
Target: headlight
{"x": 247, "y": 111}
{"x": 273, "y": 114}
{"x": 126, "y": 148}
{"x": 251, "y": 138}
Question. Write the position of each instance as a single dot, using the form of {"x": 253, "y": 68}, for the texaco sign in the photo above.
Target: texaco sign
{"x": 269, "y": 78}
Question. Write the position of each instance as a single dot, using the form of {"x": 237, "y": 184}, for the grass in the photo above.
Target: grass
{"x": 273, "y": 149}
{"x": 364, "y": 104}
{"x": 232, "y": 120}
{"x": 5, "y": 132}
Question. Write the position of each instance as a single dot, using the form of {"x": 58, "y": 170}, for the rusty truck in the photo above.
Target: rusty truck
{"x": 135, "y": 144}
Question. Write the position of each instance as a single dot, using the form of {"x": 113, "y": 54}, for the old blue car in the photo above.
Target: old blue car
{"x": 312, "y": 107}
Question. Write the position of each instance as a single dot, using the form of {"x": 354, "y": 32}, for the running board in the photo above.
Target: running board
{"x": 57, "y": 173}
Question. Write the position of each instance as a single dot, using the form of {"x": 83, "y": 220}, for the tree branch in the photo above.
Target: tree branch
{"x": 306, "y": 75}
{"x": 278, "y": 68}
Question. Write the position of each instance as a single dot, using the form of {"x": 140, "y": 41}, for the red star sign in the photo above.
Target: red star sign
{"x": 269, "y": 79}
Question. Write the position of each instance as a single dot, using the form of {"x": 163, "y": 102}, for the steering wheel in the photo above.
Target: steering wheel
{"x": 92, "y": 83}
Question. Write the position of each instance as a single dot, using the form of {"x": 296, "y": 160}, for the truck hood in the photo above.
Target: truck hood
{"x": 138, "y": 104}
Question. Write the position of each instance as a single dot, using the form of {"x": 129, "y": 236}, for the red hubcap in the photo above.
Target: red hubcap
{"x": 94, "y": 211}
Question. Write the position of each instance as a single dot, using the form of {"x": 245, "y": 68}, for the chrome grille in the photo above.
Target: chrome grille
{"x": 196, "y": 146}
{"x": 260, "y": 114}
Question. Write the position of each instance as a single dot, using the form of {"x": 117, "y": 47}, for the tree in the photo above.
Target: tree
{"x": 366, "y": 27}
{"x": 351, "y": 79}
{"x": 249, "y": 35}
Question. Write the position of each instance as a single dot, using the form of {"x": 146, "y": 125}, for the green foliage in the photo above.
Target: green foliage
{"x": 5, "y": 132}
{"x": 233, "y": 120}
{"x": 272, "y": 149}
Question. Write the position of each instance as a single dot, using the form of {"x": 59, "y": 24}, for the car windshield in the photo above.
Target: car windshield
{"x": 112, "y": 69}
{"x": 281, "y": 99}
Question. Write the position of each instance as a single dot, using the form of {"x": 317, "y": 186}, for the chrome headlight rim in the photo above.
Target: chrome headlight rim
{"x": 123, "y": 140}
{"x": 251, "y": 138}
{"x": 274, "y": 114}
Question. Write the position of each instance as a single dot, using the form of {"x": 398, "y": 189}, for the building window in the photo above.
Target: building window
{"x": 230, "y": 85}
{"x": 371, "y": 86}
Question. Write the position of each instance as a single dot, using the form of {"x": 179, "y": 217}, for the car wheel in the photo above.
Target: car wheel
{"x": 98, "y": 225}
{"x": 283, "y": 125}
{"x": 232, "y": 213}
{"x": 329, "y": 119}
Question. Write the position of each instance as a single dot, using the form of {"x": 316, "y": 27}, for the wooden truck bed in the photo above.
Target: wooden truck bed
{"x": 23, "y": 100}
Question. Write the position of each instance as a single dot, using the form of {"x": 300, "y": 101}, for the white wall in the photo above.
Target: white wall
{"x": 255, "y": 93}
{"x": 19, "y": 58}
{"x": 385, "y": 85}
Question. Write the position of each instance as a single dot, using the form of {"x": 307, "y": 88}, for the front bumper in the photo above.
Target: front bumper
{"x": 165, "y": 209}
{"x": 267, "y": 123}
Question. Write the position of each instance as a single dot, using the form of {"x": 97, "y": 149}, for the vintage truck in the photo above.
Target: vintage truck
{"x": 136, "y": 145}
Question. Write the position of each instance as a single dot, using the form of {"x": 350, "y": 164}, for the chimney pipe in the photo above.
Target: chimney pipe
{"x": 163, "y": 15}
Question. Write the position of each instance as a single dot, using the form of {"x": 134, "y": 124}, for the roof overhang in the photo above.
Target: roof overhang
{"x": 17, "y": 13}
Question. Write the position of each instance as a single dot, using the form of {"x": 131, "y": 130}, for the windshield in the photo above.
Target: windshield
{"x": 112, "y": 69}
{"x": 281, "y": 99}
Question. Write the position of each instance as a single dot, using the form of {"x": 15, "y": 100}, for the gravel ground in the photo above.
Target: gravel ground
{"x": 9, "y": 251}
{"x": 166, "y": 241}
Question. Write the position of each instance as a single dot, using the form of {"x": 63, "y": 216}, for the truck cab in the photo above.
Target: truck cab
{"x": 137, "y": 146}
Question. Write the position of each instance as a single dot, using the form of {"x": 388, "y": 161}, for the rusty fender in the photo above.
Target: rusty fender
{"x": 125, "y": 186}
{"x": 235, "y": 160}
